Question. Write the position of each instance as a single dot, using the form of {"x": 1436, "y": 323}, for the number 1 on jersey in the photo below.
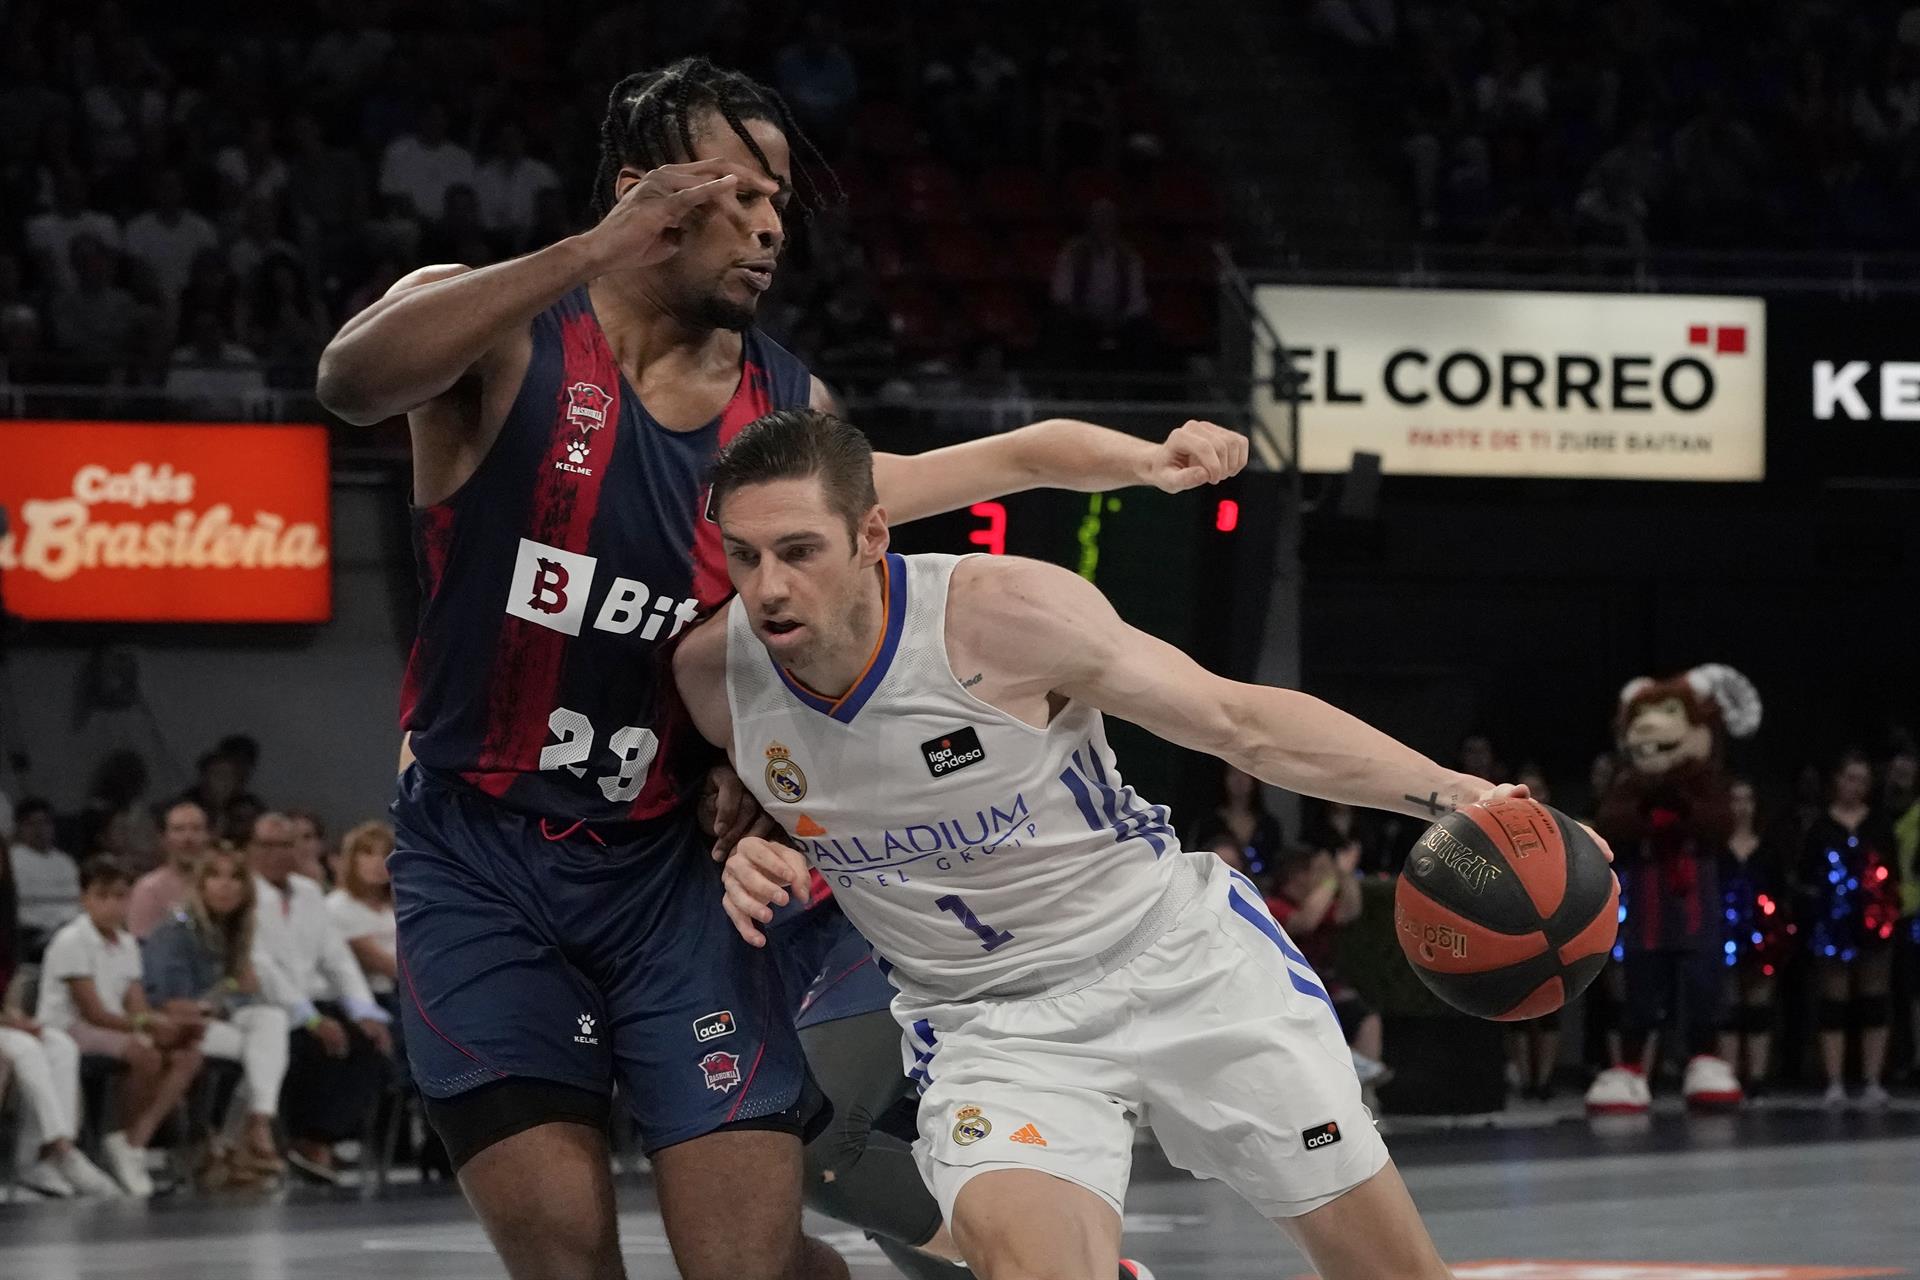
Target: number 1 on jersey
{"x": 989, "y": 939}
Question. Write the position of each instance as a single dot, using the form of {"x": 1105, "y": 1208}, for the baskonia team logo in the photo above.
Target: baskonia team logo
{"x": 784, "y": 778}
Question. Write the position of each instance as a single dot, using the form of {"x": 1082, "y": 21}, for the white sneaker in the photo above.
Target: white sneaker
{"x": 1372, "y": 1072}
{"x": 1710, "y": 1084}
{"x": 1619, "y": 1091}
{"x": 44, "y": 1177}
{"x": 86, "y": 1177}
{"x": 1875, "y": 1097}
{"x": 1835, "y": 1098}
{"x": 129, "y": 1164}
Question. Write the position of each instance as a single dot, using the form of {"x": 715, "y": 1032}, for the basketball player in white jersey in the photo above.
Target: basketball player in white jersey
{"x": 928, "y": 731}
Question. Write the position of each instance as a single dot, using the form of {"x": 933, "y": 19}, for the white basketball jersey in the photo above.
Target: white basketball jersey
{"x": 976, "y": 853}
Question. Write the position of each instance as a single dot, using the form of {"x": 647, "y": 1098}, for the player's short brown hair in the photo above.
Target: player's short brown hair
{"x": 792, "y": 444}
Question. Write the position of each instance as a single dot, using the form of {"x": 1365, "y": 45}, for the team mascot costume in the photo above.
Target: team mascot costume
{"x": 1667, "y": 816}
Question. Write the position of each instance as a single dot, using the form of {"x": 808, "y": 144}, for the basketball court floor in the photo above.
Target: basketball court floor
{"x": 1782, "y": 1193}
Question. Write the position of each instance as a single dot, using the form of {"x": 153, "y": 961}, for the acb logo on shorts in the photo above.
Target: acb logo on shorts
{"x": 969, "y": 1126}
{"x": 1323, "y": 1136}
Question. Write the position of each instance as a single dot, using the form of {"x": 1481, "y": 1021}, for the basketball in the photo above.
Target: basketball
{"x": 1506, "y": 910}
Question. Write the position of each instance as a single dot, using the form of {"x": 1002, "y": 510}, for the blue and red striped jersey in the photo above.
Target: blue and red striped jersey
{"x": 555, "y": 576}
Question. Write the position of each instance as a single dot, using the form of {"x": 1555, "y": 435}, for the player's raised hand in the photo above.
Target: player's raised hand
{"x": 646, "y": 223}
{"x": 1196, "y": 453}
{"x": 759, "y": 876}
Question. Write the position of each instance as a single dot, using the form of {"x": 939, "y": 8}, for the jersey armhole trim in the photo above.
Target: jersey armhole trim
{"x": 453, "y": 501}
{"x": 946, "y": 661}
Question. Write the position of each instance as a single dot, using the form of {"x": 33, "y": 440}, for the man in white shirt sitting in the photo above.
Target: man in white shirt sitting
{"x": 341, "y": 1050}
{"x": 46, "y": 878}
{"x": 423, "y": 164}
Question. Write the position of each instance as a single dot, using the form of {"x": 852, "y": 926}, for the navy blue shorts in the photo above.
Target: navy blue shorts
{"x": 584, "y": 963}
{"x": 827, "y": 965}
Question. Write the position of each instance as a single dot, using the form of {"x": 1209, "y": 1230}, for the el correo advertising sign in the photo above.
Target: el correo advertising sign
{"x": 1570, "y": 385}
{"x": 160, "y": 522}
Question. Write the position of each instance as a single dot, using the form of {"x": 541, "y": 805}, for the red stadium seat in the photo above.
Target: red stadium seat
{"x": 1184, "y": 258}
{"x": 961, "y": 253}
{"x": 1019, "y": 196}
{"x": 1084, "y": 186}
{"x": 924, "y": 191}
{"x": 1185, "y": 318}
{"x": 1182, "y": 196}
{"x": 867, "y": 200}
{"x": 923, "y": 324}
{"x": 885, "y": 130}
{"x": 1006, "y": 315}
{"x": 1034, "y": 250}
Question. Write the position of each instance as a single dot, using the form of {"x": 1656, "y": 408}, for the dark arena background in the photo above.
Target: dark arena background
{"x": 1576, "y": 345}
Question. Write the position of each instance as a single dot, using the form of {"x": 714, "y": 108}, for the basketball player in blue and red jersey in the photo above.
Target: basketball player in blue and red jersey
{"x": 560, "y": 916}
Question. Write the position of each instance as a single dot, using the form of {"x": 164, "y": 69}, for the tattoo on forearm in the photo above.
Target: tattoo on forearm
{"x": 1430, "y": 802}
{"x": 973, "y": 680}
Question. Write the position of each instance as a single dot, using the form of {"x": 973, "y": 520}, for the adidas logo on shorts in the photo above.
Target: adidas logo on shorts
{"x": 1028, "y": 1134}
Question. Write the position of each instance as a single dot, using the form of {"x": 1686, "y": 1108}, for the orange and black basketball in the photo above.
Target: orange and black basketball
{"x": 1506, "y": 910}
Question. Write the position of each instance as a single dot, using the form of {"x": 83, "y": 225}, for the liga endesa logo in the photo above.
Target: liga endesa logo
{"x": 114, "y": 521}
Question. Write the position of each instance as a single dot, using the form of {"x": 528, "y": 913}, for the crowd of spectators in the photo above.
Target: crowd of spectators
{"x": 193, "y": 206}
{"x": 229, "y": 984}
{"x": 1814, "y": 927}
{"x": 1548, "y": 125}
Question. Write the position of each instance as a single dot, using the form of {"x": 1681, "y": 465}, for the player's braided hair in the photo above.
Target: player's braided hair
{"x": 651, "y": 117}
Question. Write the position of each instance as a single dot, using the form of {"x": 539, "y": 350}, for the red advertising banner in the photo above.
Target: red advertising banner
{"x": 165, "y": 522}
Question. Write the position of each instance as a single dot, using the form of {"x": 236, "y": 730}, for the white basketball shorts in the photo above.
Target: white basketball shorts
{"x": 1219, "y": 1037}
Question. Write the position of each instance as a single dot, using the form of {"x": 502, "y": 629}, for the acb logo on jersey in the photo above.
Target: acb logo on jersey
{"x": 552, "y": 588}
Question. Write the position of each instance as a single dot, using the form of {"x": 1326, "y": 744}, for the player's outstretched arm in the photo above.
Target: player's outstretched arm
{"x": 1058, "y": 453}
{"x": 440, "y": 322}
{"x": 1037, "y": 628}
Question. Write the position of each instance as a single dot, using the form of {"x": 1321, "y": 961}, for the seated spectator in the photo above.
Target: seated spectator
{"x": 95, "y": 321}
{"x": 257, "y": 241}
{"x": 169, "y": 236}
{"x": 362, "y": 907}
{"x": 116, "y": 819}
{"x": 418, "y": 167}
{"x": 1099, "y": 288}
{"x": 45, "y": 879}
{"x": 1342, "y": 829}
{"x": 1315, "y": 894}
{"x": 251, "y": 169}
{"x": 457, "y": 234}
{"x": 90, "y": 988}
{"x": 163, "y": 891}
{"x": 1239, "y": 815}
{"x": 47, "y": 1065}
{"x": 52, "y": 235}
{"x": 815, "y": 74}
{"x": 200, "y": 962}
{"x": 289, "y": 325}
{"x": 340, "y": 1044}
{"x": 508, "y": 183}
{"x": 213, "y": 375}
{"x": 310, "y": 846}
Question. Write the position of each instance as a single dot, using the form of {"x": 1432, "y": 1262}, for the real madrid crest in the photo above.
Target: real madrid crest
{"x": 969, "y": 1126}
{"x": 784, "y": 778}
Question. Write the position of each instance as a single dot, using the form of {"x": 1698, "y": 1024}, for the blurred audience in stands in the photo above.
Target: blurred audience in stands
{"x": 1314, "y": 894}
{"x": 1238, "y": 815}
